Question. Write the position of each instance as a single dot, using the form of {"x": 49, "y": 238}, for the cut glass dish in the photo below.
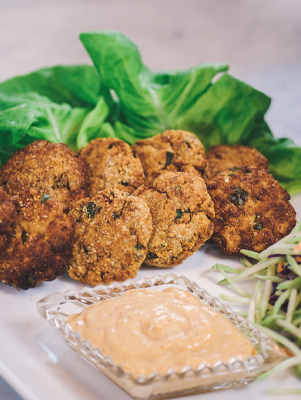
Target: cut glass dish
{"x": 57, "y": 307}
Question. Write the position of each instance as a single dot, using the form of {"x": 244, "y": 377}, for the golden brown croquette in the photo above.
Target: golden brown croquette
{"x": 171, "y": 151}
{"x": 252, "y": 211}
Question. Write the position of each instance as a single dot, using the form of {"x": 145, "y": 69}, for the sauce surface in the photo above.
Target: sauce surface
{"x": 147, "y": 331}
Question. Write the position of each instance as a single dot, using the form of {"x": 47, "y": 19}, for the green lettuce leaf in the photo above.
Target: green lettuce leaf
{"x": 76, "y": 85}
{"x": 93, "y": 123}
{"x": 55, "y": 104}
{"x": 283, "y": 155}
{"x": 232, "y": 112}
{"x": 149, "y": 102}
{"x": 35, "y": 117}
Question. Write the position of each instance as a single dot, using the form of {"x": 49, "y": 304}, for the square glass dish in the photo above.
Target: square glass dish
{"x": 57, "y": 307}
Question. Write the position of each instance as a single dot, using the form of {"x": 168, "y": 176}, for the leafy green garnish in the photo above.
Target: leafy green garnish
{"x": 122, "y": 98}
{"x": 149, "y": 102}
{"x": 52, "y": 104}
{"x": 275, "y": 307}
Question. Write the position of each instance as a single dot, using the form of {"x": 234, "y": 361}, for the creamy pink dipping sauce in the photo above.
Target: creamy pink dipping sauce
{"x": 147, "y": 331}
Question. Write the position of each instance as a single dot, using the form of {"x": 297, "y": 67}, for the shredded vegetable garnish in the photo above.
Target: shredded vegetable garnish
{"x": 275, "y": 304}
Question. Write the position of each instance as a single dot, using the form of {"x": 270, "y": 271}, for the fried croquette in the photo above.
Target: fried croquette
{"x": 112, "y": 163}
{"x": 221, "y": 158}
{"x": 50, "y": 167}
{"x": 171, "y": 151}
{"x": 39, "y": 247}
{"x": 252, "y": 211}
{"x": 182, "y": 213}
{"x": 113, "y": 229}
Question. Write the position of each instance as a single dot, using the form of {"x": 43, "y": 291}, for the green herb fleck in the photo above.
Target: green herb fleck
{"x": 179, "y": 213}
{"x": 125, "y": 183}
{"x": 169, "y": 157}
{"x": 238, "y": 197}
{"x": 45, "y": 197}
{"x": 31, "y": 280}
{"x": 257, "y": 225}
{"x": 112, "y": 193}
{"x": 151, "y": 256}
{"x": 127, "y": 194}
{"x": 162, "y": 245}
{"x": 24, "y": 236}
{"x": 138, "y": 247}
{"x": 230, "y": 174}
{"x": 91, "y": 210}
{"x": 116, "y": 215}
{"x": 188, "y": 145}
{"x": 234, "y": 169}
{"x": 187, "y": 211}
{"x": 28, "y": 281}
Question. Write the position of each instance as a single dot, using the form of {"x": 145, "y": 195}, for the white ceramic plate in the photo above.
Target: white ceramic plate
{"x": 39, "y": 365}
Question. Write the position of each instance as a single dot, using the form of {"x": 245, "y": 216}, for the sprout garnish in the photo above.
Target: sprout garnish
{"x": 275, "y": 305}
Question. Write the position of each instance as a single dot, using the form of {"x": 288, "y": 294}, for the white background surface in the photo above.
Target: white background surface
{"x": 261, "y": 42}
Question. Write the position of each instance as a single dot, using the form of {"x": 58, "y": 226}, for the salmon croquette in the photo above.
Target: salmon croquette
{"x": 171, "y": 151}
{"x": 50, "y": 167}
{"x": 38, "y": 240}
{"x": 112, "y": 163}
{"x": 113, "y": 229}
{"x": 221, "y": 158}
{"x": 182, "y": 213}
{"x": 252, "y": 211}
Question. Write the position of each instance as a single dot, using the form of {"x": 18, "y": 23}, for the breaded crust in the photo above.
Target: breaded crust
{"x": 40, "y": 245}
{"x": 171, "y": 151}
{"x": 252, "y": 211}
{"x": 112, "y": 233}
{"x": 7, "y": 219}
{"x": 112, "y": 163}
{"x": 182, "y": 213}
{"x": 50, "y": 167}
{"x": 221, "y": 158}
